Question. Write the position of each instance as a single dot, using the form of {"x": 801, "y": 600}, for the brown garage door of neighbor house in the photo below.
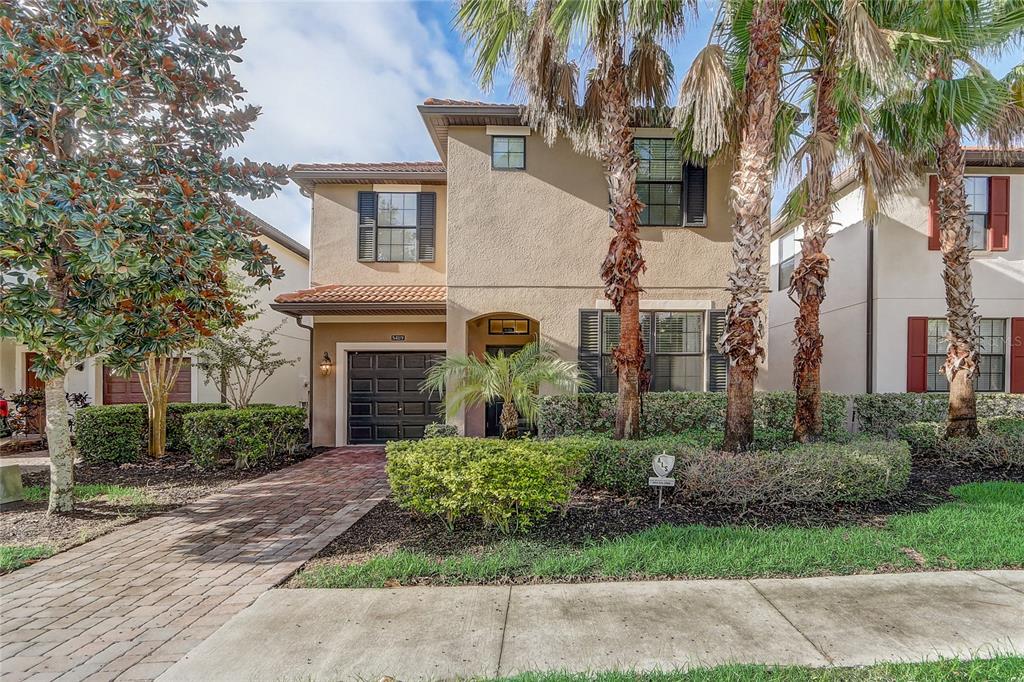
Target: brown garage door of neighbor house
{"x": 118, "y": 390}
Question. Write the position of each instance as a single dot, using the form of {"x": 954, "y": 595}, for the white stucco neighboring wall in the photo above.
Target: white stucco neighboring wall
{"x": 908, "y": 283}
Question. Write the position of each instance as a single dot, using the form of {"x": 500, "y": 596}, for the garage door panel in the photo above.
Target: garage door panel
{"x": 118, "y": 390}
{"x": 384, "y": 401}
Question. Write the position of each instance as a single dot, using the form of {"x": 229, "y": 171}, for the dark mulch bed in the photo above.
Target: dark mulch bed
{"x": 595, "y": 515}
{"x": 168, "y": 483}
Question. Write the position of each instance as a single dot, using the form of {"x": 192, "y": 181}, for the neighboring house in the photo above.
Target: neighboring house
{"x": 288, "y": 386}
{"x": 499, "y": 243}
{"x": 884, "y": 315}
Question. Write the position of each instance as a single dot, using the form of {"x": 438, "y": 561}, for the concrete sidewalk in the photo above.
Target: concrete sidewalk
{"x": 467, "y": 632}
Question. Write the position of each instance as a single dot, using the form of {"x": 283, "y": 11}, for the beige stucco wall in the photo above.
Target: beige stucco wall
{"x": 334, "y": 237}
{"x": 8, "y": 381}
{"x": 326, "y": 337}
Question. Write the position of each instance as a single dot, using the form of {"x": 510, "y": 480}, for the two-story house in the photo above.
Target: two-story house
{"x": 498, "y": 243}
{"x": 884, "y": 315}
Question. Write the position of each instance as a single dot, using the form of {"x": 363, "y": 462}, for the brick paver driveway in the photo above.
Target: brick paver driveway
{"x": 129, "y": 604}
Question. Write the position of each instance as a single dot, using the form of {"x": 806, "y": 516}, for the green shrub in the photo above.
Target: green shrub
{"x": 1001, "y": 442}
{"x": 249, "y": 436}
{"x": 667, "y": 413}
{"x": 111, "y": 433}
{"x": 176, "y": 425}
{"x": 861, "y": 469}
{"x": 510, "y": 484}
{"x": 884, "y": 413}
{"x": 440, "y": 430}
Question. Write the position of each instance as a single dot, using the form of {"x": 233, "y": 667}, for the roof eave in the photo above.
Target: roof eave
{"x": 307, "y": 179}
{"x": 298, "y": 307}
{"x": 429, "y": 112}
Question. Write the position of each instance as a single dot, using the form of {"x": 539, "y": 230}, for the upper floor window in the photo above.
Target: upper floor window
{"x": 977, "y": 211}
{"x": 508, "y": 152}
{"x": 396, "y": 226}
{"x": 992, "y": 362}
{"x": 673, "y": 194}
{"x": 787, "y": 259}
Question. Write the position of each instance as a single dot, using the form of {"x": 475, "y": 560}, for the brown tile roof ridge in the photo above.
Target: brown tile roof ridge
{"x": 375, "y": 167}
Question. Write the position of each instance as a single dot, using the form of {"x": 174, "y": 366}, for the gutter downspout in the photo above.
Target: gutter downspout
{"x": 309, "y": 380}
{"x": 869, "y": 378}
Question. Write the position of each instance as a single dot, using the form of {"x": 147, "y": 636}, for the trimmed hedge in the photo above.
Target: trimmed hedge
{"x": 884, "y": 413}
{"x": 249, "y": 436}
{"x": 120, "y": 433}
{"x": 859, "y": 470}
{"x": 666, "y": 413}
{"x": 440, "y": 430}
{"x": 1000, "y": 443}
{"x": 111, "y": 433}
{"x": 510, "y": 484}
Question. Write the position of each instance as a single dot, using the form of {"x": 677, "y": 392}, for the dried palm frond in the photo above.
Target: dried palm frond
{"x": 865, "y": 43}
{"x": 707, "y": 102}
{"x": 649, "y": 72}
{"x": 882, "y": 172}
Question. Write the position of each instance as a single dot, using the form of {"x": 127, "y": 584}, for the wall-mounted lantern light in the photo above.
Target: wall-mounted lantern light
{"x": 326, "y": 365}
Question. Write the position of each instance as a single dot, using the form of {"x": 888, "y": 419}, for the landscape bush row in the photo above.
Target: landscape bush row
{"x": 207, "y": 431}
{"x": 513, "y": 484}
{"x": 1000, "y": 443}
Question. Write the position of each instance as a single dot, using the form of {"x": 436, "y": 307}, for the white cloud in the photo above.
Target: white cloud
{"x": 338, "y": 81}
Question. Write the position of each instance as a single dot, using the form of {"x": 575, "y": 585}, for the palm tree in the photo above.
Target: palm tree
{"x": 950, "y": 95}
{"x": 730, "y": 100}
{"x": 623, "y": 38}
{"x": 846, "y": 57}
{"x": 513, "y": 379}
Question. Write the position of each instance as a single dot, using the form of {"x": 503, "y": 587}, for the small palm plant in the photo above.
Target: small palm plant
{"x": 513, "y": 379}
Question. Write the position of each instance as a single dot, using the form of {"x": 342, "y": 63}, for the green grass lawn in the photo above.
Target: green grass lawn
{"x": 90, "y": 491}
{"x": 1003, "y": 669}
{"x": 14, "y": 557}
{"x": 983, "y": 528}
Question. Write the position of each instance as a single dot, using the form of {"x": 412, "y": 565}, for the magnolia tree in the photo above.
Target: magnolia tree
{"x": 115, "y": 193}
{"x": 240, "y": 362}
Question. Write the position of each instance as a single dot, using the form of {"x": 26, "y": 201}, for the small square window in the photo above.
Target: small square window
{"x": 508, "y": 153}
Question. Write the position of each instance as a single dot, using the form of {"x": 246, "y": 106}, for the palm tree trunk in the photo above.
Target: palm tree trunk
{"x": 509, "y": 420}
{"x": 807, "y": 288}
{"x": 624, "y": 263}
{"x": 743, "y": 340}
{"x": 954, "y": 236}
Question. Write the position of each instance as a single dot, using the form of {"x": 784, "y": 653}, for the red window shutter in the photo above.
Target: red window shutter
{"x": 933, "y": 213}
{"x": 999, "y": 213}
{"x": 1017, "y": 355}
{"x": 917, "y": 354}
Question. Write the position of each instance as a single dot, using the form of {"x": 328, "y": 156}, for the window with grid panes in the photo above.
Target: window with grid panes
{"x": 659, "y": 181}
{"x": 976, "y": 189}
{"x": 991, "y": 363}
{"x": 675, "y": 352}
{"x": 508, "y": 153}
{"x": 396, "y": 226}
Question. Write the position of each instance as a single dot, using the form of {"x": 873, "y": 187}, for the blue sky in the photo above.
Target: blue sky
{"x": 340, "y": 81}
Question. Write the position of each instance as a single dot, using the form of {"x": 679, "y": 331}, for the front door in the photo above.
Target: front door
{"x": 384, "y": 398}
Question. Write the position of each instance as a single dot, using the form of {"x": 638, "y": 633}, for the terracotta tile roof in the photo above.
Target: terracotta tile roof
{"x": 442, "y": 101}
{"x": 349, "y": 293}
{"x": 384, "y": 167}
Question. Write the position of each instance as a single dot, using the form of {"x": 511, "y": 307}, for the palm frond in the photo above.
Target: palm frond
{"x": 707, "y": 103}
{"x": 864, "y": 43}
{"x": 495, "y": 27}
{"x": 649, "y": 72}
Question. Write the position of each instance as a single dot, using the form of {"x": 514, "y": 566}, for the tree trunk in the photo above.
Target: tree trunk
{"x": 743, "y": 340}
{"x": 157, "y": 413}
{"x": 807, "y": 289}
{"x": 624, "y": 263}
{"x": 509, "y": 420}
{"x": 62, "y": 456}
{"x": 961, "y": 364}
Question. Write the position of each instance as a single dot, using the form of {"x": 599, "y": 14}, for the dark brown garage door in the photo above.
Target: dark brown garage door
{"x": 118, "y": 390}
{"x": 384, "y": 399}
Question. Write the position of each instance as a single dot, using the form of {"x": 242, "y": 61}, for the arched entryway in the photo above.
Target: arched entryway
{"x": 497, "y": 332}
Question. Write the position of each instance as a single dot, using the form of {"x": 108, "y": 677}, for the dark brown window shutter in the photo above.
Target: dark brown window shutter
{"x": 999, "y": 213}
{"x": 588, "y": 354}
{"x": 933, "y": 213}
{"x": 718, "y": 364}
{"x": 426, "y": 226}
{"x": 1017, "y": 355}
{"x": 696, "y": 195}
{"x": 917, "y": 354}
{"x": 367, "y": 244}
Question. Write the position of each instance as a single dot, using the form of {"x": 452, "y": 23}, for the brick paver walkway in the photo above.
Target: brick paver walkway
{"x": 129, "y": 604}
